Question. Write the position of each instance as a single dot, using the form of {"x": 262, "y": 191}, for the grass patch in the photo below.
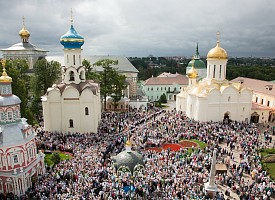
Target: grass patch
{"x": 200, "y": 143}
{"x": 265, "y": 152}
{"x": 269, "y": 167}
{"x": 48, "y": 158}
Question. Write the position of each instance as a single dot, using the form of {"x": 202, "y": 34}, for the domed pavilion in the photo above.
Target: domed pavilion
{"x": 128, "y": 161}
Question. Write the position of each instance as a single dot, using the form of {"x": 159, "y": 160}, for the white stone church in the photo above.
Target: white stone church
{"x": 214, "y": 97}
{"x": 74, "y": 104}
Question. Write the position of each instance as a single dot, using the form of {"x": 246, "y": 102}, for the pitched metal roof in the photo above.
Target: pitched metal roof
{"x": 167, "y": 79}
{"x": 124, "y": 65}
{"x": 23, "y": 46}
{"x": 264, "y": 87}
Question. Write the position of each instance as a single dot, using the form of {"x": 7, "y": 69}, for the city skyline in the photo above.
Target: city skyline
{"x": 142, "y": 28}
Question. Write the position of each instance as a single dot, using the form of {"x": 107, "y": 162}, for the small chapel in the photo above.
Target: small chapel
{"x": 214, "y": 98}
{"x": 74, "y": 104}
{"x": 20, "y": 164}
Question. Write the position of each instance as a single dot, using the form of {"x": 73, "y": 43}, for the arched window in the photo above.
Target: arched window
{"x": 71, "y": 122}
{"x": 86, "y": 111}
{"x": 229, "y": 98}
{"x": 74, "y": 59}
{"x": 214, "y": 72}
{"x": 71, "y": 76}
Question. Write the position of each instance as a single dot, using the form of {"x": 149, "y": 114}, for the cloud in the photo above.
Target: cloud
{"x": 142, "y": 27}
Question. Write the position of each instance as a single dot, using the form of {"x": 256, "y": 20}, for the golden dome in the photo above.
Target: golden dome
{"x": 5, "y": 77}
{"x": 192, "y": 73}
{"x": 217, "y": 53}
{"x": 24, "y": 33}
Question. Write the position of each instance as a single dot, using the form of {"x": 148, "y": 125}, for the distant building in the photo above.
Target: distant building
{"x": 263, "y": 107}
{"x": 123, "y": 67}
{"x": 214, "y": 98}
{"x": 166, "y": 83}
{"x": 198, "y": 64}
{"x": 24, "y": 49}
{"x": 73, "y": 105}
{"x": 20, "y": 165}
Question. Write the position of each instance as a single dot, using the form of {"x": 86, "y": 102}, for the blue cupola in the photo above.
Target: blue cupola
{"x": 71, "y": 39}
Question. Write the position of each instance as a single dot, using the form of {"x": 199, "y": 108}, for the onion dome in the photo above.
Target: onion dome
{"x": 217, "y": 53}
{"x": 24, "y": 33}
{"x": 71, "y": 39}
{"x": 5, "y": 78}
{"x": 197, "y": 62}
{"x": 192, "y": 73}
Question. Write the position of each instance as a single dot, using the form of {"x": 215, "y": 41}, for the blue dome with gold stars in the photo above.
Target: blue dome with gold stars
{"x": 71, "y": 39}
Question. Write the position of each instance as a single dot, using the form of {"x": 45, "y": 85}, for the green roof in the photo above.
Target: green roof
{"x": 198, "y": 64}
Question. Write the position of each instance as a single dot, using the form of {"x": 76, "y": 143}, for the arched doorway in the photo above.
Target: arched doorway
{"x": 226, "y": 117}
{"x": 255, "y": 117}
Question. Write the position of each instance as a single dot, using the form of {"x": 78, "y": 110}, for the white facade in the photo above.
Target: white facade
{"x": 74, "y": 104}
{"x": 214, "y": 98}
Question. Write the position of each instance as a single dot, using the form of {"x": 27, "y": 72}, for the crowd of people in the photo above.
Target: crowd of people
{"x": 89, "y": 174}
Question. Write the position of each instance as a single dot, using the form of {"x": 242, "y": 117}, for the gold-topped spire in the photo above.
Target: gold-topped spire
{"x": 71, "y": 19}
{"x": 24, "y": 33}
{"x": 4, "y": 77}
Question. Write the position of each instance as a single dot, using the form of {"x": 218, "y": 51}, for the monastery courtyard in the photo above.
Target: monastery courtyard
{"x": 168, "y": 174}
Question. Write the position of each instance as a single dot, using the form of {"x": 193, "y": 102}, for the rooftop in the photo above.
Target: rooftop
{"x": 264, "y": 87}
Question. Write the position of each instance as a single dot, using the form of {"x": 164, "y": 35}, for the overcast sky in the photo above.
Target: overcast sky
{"x": 143, "y": 27}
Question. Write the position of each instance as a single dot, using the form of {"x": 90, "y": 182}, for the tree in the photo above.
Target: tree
{"x": 119, "y": 84}
{"x": 111, "y": 83}
{"x": 162, "y": 98}
{"x": 91, "y": 74}
{"x": 45, "y": 74}
{"x": 55, "y": 158}
{"x": 17, "y": 69}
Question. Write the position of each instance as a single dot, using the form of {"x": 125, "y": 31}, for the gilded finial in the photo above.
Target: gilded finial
{"x": 71, "y": 20}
